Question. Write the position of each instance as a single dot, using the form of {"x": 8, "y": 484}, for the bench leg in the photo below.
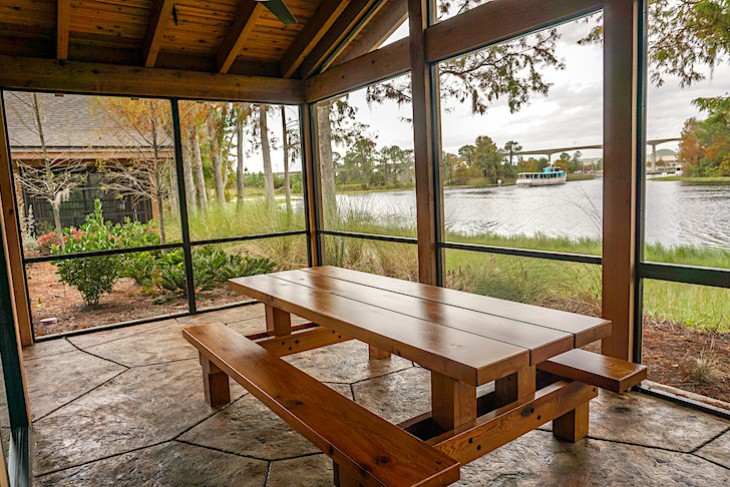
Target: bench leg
{"x": 216, "y": 386}
{"x": 377, "y": 353}
{"x": 573, "y": 426}
{"x": 341, "y": 479}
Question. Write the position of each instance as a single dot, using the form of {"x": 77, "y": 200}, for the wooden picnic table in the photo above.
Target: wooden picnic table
{"x": 465, "y": 340}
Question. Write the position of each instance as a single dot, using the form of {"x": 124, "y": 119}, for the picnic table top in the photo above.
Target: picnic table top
{"x": 473, "y": 339}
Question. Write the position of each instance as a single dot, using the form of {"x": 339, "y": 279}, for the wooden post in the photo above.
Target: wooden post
{"x": 572, "y": 426}
{"x": 13, "y": 240}
{"x": 422, "y": 84}
{"x": 216, "y": 386}
{"x": 313, "y": 195}
{"x": 452, "y": 403}
{"x": 519, "y": 385}
{"x": 278, "y": 322}
{"x": 620, "y": 138}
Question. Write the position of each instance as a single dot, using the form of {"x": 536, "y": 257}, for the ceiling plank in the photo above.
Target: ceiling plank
{"x": 159, "y": 17}
{"x": 246, "y": 17}
{"x": 341, "y": 32}
{"x": 374, "y": 33}
{"x": 326, "y": 15}
{"x": 50, "y": 75}
{"x": 63, "y": 19}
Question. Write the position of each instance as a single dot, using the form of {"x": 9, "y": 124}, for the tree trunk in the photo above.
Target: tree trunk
{"x": 285, "y": 138}
{"x": 266, "y": 153}
{"x": 198, "y": 175}
{"x": 56, "y": 207}
{"x": 188, "y": 175}
{"x": 160, "y": 203}
{"x": 326, "y": 161}
{"x": 239, "y": 162}
{"x": 220, "y": 188}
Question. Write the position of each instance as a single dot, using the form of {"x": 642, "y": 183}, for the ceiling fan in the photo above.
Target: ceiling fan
{"x": 282, "y": 12}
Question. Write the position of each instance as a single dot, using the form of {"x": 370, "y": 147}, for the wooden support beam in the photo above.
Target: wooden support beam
{"x": 338, "y": 36}
{"x": 499, "y": 20}
{"x": 620, "y": 154}
{"x": 489, "y": 432}
{"x": 105, "y": 79}
{"x": 63, "y": 19}
{"x": 301, "y": 342}
{"x": 375, "y": 32}
{"x": 246, "y": 17}
{"x": 327, "y": 13}
{"x": 216, "y": 386}
{"x": 312, "y": 173}
{"x": 453, "y": 403}
{"x": 384, "y": 63}
{"x": 278, "y": 322}
{"x": 12, "y": 238}
{"x": 424, "y": 144}
{"x": 159, "y": 17}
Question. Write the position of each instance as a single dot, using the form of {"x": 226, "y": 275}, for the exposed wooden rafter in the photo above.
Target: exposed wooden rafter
{"x": 327, "y": 13}
{"x": 389, "y": 18}
{"x": 63, "y": 19}
{"x": 241, "y": 29}
{"x": 107, "y": 79}
{"x": 159, "y": 17}
{"x": 342, "y": 31}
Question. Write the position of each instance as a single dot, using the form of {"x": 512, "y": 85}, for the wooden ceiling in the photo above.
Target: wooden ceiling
{"x": 224, "y": 36}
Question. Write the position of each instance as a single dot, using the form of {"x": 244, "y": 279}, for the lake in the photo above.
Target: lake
{"x": 677, "y": 212}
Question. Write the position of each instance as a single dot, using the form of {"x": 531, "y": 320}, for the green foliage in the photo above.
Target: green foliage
{"x": 705, "y": 145}
{"x": 92, "y": 276}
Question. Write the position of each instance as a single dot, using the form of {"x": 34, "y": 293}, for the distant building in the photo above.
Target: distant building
{"x": 75, "y": 130}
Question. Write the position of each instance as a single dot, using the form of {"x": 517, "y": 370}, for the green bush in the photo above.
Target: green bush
{"x": 92, "y": 276}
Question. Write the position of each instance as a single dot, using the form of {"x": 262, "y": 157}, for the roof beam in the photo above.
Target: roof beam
{"x": 377, "y": 65}
{"x": 63, "y": 19}
{"x": 337, "y": 37}
{"x": 326, "y": 15}
{"x": 497, "y": 21}
{"x": 160, "y": 15}
{"x": 242, "y": 27}
{"x": 389, "y": 18}
{"x": 20, "y": 73}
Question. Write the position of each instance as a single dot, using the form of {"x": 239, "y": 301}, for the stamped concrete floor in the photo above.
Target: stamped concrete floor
{"x": 125, "y": 408}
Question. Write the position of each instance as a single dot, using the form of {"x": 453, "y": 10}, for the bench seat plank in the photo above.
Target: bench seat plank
{"x": 463, "y": 356}
{"x": 586, "y": 329}
{"x": 608, "y": 373}
{"x": 543, "y": 343}
{"x": 371, "y": 450}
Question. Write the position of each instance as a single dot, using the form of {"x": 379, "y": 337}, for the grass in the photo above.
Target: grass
{"x": 568, "y": 286}
{"x": 693, "y": 179}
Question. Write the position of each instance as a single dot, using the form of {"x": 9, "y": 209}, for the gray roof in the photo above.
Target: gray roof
{"x": 69, "y": 122}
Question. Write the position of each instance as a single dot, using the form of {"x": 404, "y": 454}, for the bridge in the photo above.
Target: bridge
{"x": 559, "y": 150}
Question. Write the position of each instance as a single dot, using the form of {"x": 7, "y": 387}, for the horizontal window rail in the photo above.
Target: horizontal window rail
{"x": 516, "y": 252}
{"x": 243, "y": 238}
{"x": 370, "y": 236}
{"x": 704, "y": 276}
{"x": 100, "y": 253}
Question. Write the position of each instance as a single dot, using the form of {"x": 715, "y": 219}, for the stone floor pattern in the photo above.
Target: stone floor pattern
{"x": 125, "y": 407}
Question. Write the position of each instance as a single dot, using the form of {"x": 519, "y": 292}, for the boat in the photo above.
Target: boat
{"x": 549, "y": 176}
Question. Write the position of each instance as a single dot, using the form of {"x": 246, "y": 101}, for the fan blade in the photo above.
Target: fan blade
{"x": 282, "y": 12}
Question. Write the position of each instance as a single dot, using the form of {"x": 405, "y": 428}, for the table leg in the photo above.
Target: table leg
{"x": 341, "y": 479}
{"x": 520, "y": 385}
{"x": 452, "y": 403}
{"x": 278, "y": 322}
{"x": 573, "y": 426}
{"x": 377, "y": 353}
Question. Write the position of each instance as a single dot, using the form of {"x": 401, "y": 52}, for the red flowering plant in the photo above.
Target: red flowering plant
{"x": 46, "y": 242}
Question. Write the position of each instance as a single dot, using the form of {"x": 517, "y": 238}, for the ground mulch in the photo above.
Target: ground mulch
{"x": 127, "y": 302}
{"x": 671, "y": 350}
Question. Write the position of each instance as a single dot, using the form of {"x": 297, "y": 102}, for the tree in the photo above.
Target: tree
{"x": 714, "y": 136}
{"x": 218, "y": 129}
{"x": 488, "y": 158}
{"x": 242, "y": 114}
{"x": 511, "y": 147}
{"x": 359, "y": 161}
{"x": 291, "y": 146}
{"x": 690, "y": 149}
{"x": 468, "y": 154}
{"x": 263, "y": 132}
{"x": 143, "y": 128}
{"x": 55, "y": 176}
{"x": 393, "y": 161}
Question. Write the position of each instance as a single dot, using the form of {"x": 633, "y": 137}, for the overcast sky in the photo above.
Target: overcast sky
{"x": 569, "y": 116}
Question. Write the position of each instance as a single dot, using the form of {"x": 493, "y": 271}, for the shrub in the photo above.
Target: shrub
{"x": 92, "y": 276}
{"x": 46, "y": 243}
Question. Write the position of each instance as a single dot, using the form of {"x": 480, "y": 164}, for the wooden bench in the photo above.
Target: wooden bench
{"x": 608, "y": 373}
{"x": 369, "y": 449}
